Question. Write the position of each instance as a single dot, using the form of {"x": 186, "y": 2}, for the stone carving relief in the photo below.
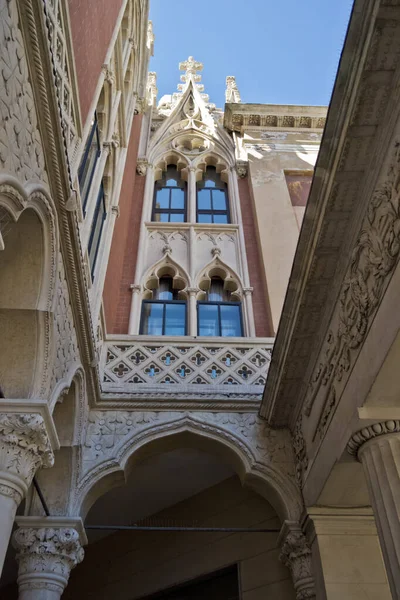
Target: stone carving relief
{"x": 21, "y": 151}
{"x": 65, "y": 341}
{"x": 162, "y": 242}
{"x": 373, "y": 260}
{"x": 110, "y": 432}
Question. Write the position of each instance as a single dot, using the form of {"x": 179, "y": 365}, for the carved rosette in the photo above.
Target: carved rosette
{"x": 296, "y": 555}
{"x": 46, "y": 556}
{"x": 24, "y": 448}
{"x": 369, "y": 433}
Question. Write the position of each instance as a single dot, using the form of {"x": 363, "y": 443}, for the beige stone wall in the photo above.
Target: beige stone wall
{"x": 132, "y": 565}
{"x": 271, "y": 155}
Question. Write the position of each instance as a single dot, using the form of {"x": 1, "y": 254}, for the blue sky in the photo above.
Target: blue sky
{"x": 281, "y": 51}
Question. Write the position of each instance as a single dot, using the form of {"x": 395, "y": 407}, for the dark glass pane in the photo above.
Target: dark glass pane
{"x": 175, "y": 319}
{"x": 216, "y": 291}
{"x": 219, "y": 199}
{"x": 177, "y": 198}
{"x": 88, "y": 165}
{"x": 204, "y": 218}
{"x": 208, "y": 319}
{"x": 164, "y": 290}
{"x": 203, "y": 200}
{"x": 177, "y": 217}
{"x": 97, "y": 227}
{"x": 230, "y": 321}
{"x": 220, "y": 218}
{"x": 162, "y": 198}
{"x": 152, "y": 318}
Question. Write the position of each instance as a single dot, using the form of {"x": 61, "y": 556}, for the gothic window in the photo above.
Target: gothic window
{"x": 169, "y": 205}
{"x": 218, "y": 315}
{"x": 165, "y": 314}
{"x": 89, "y": 161}
{"x": 212, "y": 198}
{"x": 97, "y": 229}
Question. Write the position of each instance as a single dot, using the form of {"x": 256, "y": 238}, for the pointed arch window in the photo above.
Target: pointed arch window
{"x": 165, "y": 315}
{"x": 218, "y": 315}
{"x": 212, "y": 198}
{"x": 169, "y": 204}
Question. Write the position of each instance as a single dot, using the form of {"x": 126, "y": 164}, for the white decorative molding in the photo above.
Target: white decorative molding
{"x": 371, "y": 432}
{"x": 189, "y": 368}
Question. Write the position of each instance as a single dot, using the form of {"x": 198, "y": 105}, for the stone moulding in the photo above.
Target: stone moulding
{"x": 112, "y": 438}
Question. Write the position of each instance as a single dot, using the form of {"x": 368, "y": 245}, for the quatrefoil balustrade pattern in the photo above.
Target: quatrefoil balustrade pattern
{"x": 135, "y": 366}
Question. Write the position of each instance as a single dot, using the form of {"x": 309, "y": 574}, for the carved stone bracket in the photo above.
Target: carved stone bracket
{"x": 24, "y": 448}
{"x": 46, "y": 554}
{"x": 141, "y": 166}
{"x": 242, "y": 168}
{"x": 296, "y": 555}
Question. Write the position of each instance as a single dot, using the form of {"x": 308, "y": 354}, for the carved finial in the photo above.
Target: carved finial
{"x": 150, "y": 37}
{"x": 232, "y": 93}
{"x": 190, "y": 66}
{"x": 152, "y": 90}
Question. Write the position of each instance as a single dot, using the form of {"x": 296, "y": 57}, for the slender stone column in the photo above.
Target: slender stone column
{"x": 248, "y": 297}
{"x": 296, "y": 555}
{"x": 47, "y": 549}
{"x": 192, "y": 311}
{"x": 192, "y": 196}
{"x": 24, "y": 448}
{"x": 378, "y": 449}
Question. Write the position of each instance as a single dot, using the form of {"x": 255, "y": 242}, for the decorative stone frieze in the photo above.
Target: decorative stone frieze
{"x": 296, "y": 555}
{"x": 46, "y": 555}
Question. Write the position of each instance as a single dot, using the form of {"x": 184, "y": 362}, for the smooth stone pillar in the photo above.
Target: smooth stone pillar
{"x": 378, "y": 449}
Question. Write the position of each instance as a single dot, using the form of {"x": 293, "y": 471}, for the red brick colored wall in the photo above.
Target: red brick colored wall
{"x": 262, "y": 313}
{"x": 92, "y": 25}
{"x": 299, "y": 188}
{"x": 121, "y": 266}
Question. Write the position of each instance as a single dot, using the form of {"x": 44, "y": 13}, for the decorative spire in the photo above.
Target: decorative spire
{"x": 150, "y": 37}
{"x": 232, "y": 93}
{"x": 152, "y": 90}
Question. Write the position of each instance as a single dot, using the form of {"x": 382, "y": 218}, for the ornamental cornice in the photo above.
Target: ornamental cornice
{"x": 240, "y": 117}
{"x": 371, "y": 432}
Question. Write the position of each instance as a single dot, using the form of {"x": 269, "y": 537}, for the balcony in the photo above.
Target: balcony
{"x": 150, "y": 368}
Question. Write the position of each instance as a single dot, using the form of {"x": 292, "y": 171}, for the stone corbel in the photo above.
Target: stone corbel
{"x": 296, "y": 555}
{"x": 242, "y": 168}
{"x": 216, "y": 251}
{"x": 108, "y": 74}
{"x": 141, "y": 166}
{"x": 115, "y": 210}
{"x": 48, "y": 548}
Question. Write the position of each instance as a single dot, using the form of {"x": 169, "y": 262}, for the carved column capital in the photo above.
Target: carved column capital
{"x": 24, "y": 448}
{"x": 192, "y": 291}
{"x": 248, "y": 291}
{"x": 371, "y": 432}
{"x": 46, "y": 554}
{"x": 296, "y": 555}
